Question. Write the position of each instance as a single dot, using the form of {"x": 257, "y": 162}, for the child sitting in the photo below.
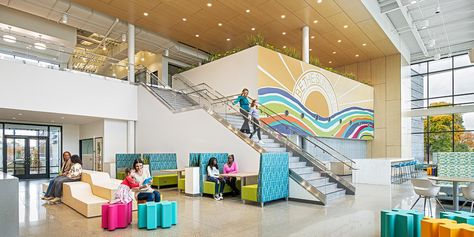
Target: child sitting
{"x": 123, "y": 193}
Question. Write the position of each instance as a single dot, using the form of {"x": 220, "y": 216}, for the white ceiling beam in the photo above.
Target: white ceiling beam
{"x": 413, "y": 28}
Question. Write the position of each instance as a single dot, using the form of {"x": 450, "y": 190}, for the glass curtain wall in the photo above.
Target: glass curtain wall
{"x": 446, "y": 82}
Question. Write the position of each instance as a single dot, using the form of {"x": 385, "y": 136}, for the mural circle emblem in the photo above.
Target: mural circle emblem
{"x": 314, "y": 81}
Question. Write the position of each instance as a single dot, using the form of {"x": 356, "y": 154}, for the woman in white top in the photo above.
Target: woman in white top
{"x": 214, "y": 176}
{"x": 139, "y": 174}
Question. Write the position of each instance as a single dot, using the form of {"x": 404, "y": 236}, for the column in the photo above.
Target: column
{"x": 305, "y": 46}
{"x": 131, "y": 136}
{"x": 131, "y": 53}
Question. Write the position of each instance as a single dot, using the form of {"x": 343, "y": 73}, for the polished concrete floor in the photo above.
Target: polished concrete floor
{"x": 203, "y": 216}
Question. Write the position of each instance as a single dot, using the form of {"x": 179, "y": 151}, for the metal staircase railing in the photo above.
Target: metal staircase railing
{"x": 216, "y": 98}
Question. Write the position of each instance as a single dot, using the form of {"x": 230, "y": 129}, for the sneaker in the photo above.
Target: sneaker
{"x": 55, "y": 200}
{"x": 216, "y": 197}
{"x": 261, "y": 142}
{"x": 221, "y": 197}
{"x": 46, "y": 198}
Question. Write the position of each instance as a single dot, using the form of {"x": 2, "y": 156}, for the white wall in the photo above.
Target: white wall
{"x": 115, "y": 139}
{"x": 229, "y": 75}
{"x": 71, "y": 138}
{"x": 158, "y": 130}
{"x": 91, "y": 130}
{"x": 28, "y": 87}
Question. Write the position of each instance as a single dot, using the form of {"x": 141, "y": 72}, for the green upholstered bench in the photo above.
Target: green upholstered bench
{"x": 210, "y": 188}
{"x": 165, "y": 180}
{"x": 181, "y": 184}
{"x": 249, "y": 192}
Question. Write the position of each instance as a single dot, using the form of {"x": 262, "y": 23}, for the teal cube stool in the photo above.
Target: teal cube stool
{"x": 152, "y": 215}
{"x": 142, "y": 215}
{"x": 166, "y": 214}
{"x": 174, "y": 212}
{"x": 400, "y": 223}
{"x": 458, "y": 216}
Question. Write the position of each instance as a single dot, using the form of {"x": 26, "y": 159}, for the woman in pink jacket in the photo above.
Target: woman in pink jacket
{"x": 229, "y": 168}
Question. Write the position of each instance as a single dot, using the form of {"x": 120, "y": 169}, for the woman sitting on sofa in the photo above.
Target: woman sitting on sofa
{"x": 140, "y": 175}
{"x": 66, "y": 166}
{"x": 74, "y": 174}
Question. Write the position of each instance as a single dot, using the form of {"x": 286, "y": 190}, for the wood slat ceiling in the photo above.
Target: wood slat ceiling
{"x": 165, "y": 17}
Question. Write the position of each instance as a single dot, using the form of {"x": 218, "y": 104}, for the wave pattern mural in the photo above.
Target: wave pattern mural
{"x": 288, "y": 112}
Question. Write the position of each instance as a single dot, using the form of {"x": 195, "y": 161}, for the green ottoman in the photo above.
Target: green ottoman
{"x": 210, "y": 187}
{"x": 165, "y": 180}
{"x": 181, "y": 184}
{"x": 249, "y": 193}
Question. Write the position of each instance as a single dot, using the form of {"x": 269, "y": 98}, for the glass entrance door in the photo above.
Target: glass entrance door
{"x": 26, "y": 157}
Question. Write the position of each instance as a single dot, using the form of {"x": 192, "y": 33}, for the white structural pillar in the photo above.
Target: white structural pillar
{"x": 131, "y": 136}
{"x": 131, "y": 53}
{"x": 131, "y": 79}
{"x": 305, "y": 46}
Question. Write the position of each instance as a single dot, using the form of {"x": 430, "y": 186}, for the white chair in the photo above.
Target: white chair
{"x": 427, "y": 190}
{"x": 468, "y": 194}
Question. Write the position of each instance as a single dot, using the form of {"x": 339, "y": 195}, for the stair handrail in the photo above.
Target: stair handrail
{"x": 306, "y": 139}
{"x": 286, "y": 141}
{"x": 326, "y": 146}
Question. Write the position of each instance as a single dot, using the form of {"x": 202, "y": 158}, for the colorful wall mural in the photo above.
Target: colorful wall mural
{"x": 314, "y": 101}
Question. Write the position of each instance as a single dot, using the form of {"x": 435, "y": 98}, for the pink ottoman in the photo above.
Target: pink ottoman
{"x": 116, "y": 215}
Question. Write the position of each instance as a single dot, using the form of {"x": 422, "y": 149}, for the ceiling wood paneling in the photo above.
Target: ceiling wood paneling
{"x": 165, "y": 18}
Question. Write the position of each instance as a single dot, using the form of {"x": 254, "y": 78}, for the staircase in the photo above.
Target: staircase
{"x": 297, "y": 165}
{"x": 306, "y": 170}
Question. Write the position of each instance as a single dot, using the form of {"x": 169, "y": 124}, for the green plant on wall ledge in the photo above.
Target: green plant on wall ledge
{"x": 258, "y": 39}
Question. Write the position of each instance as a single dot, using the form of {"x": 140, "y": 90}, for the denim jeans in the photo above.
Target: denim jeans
{"x": 219, "y": 187}
{"x": 50, "y": 186}
{"x": 150, "y": 197}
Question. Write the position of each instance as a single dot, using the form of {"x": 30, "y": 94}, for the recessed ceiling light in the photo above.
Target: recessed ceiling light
{"x": 310, "y": 49}
{"x": 104, "y": 48}
{"x": 312, "y": 37}
{"x": 13, "y": 118}
{"x": 209, "y": 4}
{"x": 248, "y": 10}
{"x": 345, "y": 26}
{"x": 357, "y": 55}
{"x": 142, "y": 59}
{"x": 330, "y": 61}
{"x": 283, "y": 16}
{"x": 284, "y": 46}
{"x": 40, "y": 46}
{"x": 228, "y": 39}
{"x": 62, "y": 117}
{"x": 184, "y": 19}
{"x": 197, "y": 36}
{"x": 219, "y": 24}
{"x": 253, "y": 28}
{"x": 145, "y": 13}
{"x": 364, "y": 44}
{"x": 319, "y": 1}
{"x": 52, "y": 121}
{"x": 413, "y": 2}
{"x": 20, "y": 114}
{"x": 124, "y": 37}
{"x": 9, "y": 38}
{"x": 315, "y": 21}
{"x": 83, "y": 59}
{"x": 283, "y": 33}
{"x": 333, "y": 52}
{"x": 339, "y": 41}
{"x": 114, "y": 75}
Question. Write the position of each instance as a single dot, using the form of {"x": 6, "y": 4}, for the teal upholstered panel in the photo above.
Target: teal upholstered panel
{"x": 123, "y": 161}
{"x": 204, "y": 159}
{"x": 161, "y": 161}
{"x": 455, "y": 164}
{"x": 194, "y": 159}
{"x": 273, "y": 176}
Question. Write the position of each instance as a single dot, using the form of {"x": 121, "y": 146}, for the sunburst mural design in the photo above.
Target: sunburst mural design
{"x": 313, "y": 101}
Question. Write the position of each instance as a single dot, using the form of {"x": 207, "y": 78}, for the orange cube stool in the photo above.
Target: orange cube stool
{"x": 430, "y": 227}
